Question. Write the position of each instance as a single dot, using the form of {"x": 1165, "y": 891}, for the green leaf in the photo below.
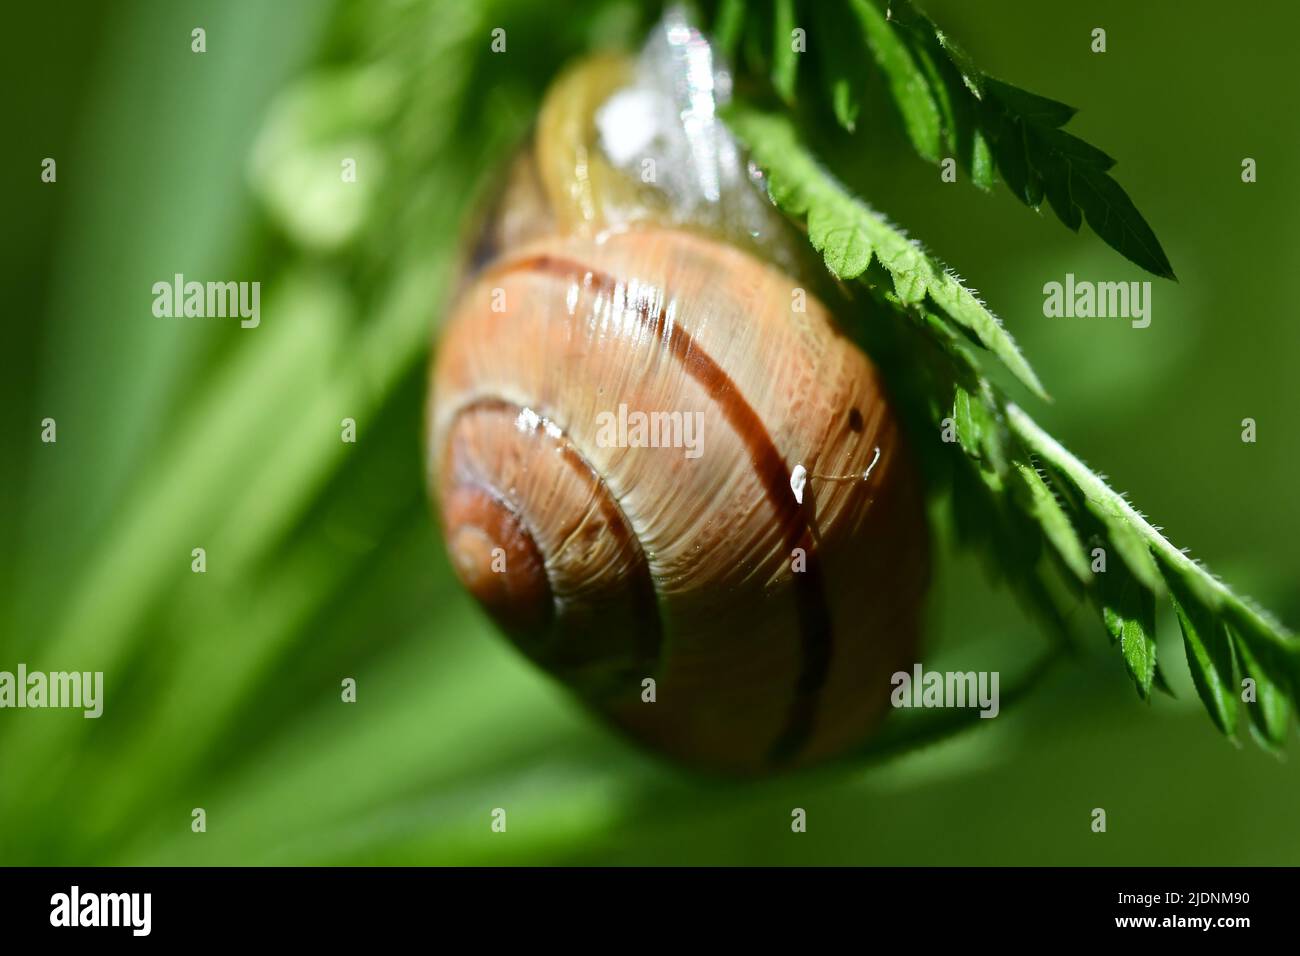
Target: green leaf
{"x": 1039, "y": 501}
{"x": 1270, "y": 712}
{"x": 982, "y": 437}
{"x": 1036, "y": 158}
{"x": 1005, "y": 139}
{"x": 922, "y": 29}
{"x": 979, "y": 431}
{"x": 956, "y": 87}
{"x": 1124, "y": 527}
{"x": 981, "y": 164}
{"x": 1071, "y": 147}
{"x": 1129, "y": 613}
{"x": 1055, "y": 171}
{"x": 1030, "y": 107}
{"x": 785, "y": 61}
{"x": 965, "y": 423}
{"x": 849, "y": 233}
{"x": 1206, "y": 608}
{"x": 1001, "y": 500}
{"x": 1276, "y": 652}
{"x": 843, "y": 242}
{"x": 907, "y": 83}
{"x": 844, "y": 70}
{"x": 1209, "y": 656}
{"x": 943, "y": 101}
{"x": 1115, "y": 219}
{"x": 961, "y": 304}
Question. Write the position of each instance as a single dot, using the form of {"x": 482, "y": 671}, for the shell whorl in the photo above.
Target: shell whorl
{"x": 659, "y": 565}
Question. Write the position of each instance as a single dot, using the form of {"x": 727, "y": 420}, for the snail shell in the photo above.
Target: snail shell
{"x": 769, "y": 615}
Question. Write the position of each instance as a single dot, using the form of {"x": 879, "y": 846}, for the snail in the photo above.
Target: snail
{"x": 658, "y": 463}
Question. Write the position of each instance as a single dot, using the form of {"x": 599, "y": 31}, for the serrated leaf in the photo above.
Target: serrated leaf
{"x": 906, "y": 265}
{"x": 907, "y": 83}
{"x": 1277, "y": 652}
{"x": 1270, "y": 713}
{"x": 1129, "y": 613}
{"x": 1115, "y": 219}
{"x": 907, "y": 15}
{"x": 955, "y": 91}
{"x": 993, "y": 436}
{"x": 981, "y": 162}
{"x": 1119, "y": 525}
{"x": 1021, "y": 131}
{"x": 844, "y": 104}
{"x": 1099, "y": 503}
{"x": 969, "y": 312}
{"x": 965, "y": 423}
{"x": 1042, "y": 506}
{"x": 943, "y": 99}
{"x": 1030, "y": 106}
{"x": 848, "y": 233}
{"x": 1056, "y": 186}
{"x": 1072, "y": 148}
{"x": 1210, "y": 658}
{"x": 844, "y": 245}
{"x": 1131, "y": 535}
{"x": 1006, "y": 146}
{"x": 1206, "y": 608}
{"x": 1035, "y": 191}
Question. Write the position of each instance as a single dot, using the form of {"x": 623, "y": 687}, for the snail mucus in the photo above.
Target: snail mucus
{"x": 740, "y": 608}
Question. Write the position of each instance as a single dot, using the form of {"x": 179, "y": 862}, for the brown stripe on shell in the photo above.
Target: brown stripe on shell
{"x": 644, "y": 601}
{"x": 796, "y": 521}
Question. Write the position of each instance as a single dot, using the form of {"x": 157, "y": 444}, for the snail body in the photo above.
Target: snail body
{"x": 674, "y": 483}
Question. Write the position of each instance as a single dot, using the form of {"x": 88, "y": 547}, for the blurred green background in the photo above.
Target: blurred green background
{"x": 223, "y": 689}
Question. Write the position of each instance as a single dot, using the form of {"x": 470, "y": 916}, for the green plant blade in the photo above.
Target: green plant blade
{"x": 849, "y": 233}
